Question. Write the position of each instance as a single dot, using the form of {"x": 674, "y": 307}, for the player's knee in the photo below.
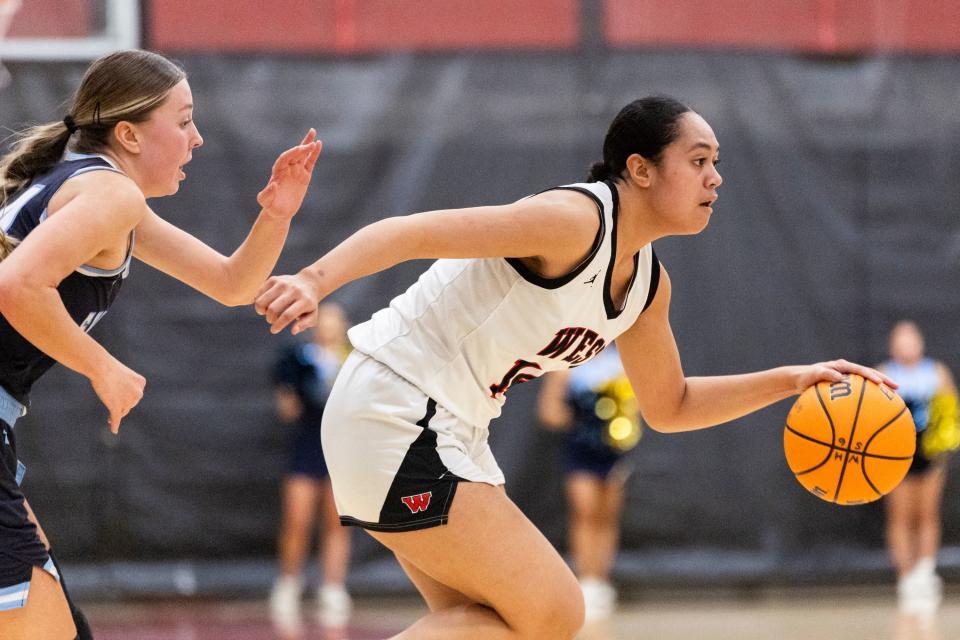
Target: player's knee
{"x": 559, "y": 614}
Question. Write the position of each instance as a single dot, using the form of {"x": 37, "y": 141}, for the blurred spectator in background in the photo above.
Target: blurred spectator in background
{"x": 303, "y": 377}
{"x": 913, "y": 508}
{"x": 594, "y": 406}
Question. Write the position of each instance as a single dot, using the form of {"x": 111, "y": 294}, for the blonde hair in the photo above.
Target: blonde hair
{"x": 122, "y": 86}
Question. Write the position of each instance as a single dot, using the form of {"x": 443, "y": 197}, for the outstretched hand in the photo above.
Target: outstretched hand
{"x": 288, "y": 183}
{"x": 286, "y": 299}
{"x": 834, "y": 370}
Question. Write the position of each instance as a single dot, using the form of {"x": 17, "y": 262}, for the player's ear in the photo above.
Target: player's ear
{"x": 126, "y": 135}
{"x": 638, "y": 170}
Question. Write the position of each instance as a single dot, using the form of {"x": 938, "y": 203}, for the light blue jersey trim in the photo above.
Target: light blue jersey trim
{"x": 51, "y": 568}
{"x": 70, "y": 156}
{"x": 10, "y": 409}
{"x": 14, "y": 597}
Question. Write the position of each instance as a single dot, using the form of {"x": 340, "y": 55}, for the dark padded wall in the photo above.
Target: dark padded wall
{"x": 838, "y": 216}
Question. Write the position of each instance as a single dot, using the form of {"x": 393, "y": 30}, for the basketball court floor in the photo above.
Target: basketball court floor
{"x": 803, "y": 614}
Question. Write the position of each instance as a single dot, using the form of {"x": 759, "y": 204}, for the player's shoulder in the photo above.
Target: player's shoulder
{"x": 109, "y": 191}
{"x": 579, "y": 196}
{"x": 566, "y": 208}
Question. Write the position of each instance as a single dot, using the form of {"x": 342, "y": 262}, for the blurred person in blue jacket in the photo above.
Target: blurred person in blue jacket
{"x": 303, "y": 376}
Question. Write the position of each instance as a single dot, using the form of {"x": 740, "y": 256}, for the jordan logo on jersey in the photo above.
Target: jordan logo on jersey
{"x": 575, "y": 345}
{"x": 418, "y": 502}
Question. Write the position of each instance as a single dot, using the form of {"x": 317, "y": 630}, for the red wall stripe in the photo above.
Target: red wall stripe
{"x": 361, "y": 26}
{"x": 807, "y": 25}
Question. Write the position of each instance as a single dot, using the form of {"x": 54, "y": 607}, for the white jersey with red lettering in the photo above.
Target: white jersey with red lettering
{"x": 468, "y": 330}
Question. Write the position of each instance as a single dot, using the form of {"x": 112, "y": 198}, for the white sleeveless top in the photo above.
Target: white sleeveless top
{"x": 469, "y": 329}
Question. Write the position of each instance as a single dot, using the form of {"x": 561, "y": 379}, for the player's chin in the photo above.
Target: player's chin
{"x": 694, "y": 225}
{"x": 701, "y": 219}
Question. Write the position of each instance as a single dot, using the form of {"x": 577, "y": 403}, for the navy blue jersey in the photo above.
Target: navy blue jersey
{"x": 87, "y": 293}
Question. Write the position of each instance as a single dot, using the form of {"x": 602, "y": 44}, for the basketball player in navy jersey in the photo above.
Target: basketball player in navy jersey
{"x": 542, "y": 284}
{"x": 73, "y": 215}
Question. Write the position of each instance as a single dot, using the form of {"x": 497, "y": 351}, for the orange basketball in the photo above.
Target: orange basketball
{"x": 849, "y": 442}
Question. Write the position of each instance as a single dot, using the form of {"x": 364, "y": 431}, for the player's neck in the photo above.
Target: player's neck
{"x": 637, "y": 225}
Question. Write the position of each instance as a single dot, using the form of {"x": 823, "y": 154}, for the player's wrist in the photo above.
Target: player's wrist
{"x": 277, "y": 216}
{"x": 100, "y": 367}
{"x": 313, "y": 278}
{"x": 793, "y": 379}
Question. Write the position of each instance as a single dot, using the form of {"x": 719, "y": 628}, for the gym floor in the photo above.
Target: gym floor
{"x": 782, "y": 614}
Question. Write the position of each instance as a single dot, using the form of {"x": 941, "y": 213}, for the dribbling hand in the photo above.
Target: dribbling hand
{"x": 283, "y": 195}
{"x": 833, "y": 370}
{"x": 286, "y": 299}
{"x": 119, "y": 389}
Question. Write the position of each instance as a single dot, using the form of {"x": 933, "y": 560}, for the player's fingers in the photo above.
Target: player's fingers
{"x": 115, "y": 418}
{"x": 867, "y": 372}
{"x": 268, "y": 293}
{"x": 280, "y": 305}
{"x": 314, "y": 154}
{"x": 305, "y": 322}
{"x": 881, "y": 377}
{"x": 291, "y": 313}
{"x": 293, "y": 155}
{"x": 832, "y": 374}
{"x": 267, "y": 285}
{"x": 310, "y": 137}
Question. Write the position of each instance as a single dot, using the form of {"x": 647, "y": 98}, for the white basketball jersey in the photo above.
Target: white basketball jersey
{"x": 468, "y": 330}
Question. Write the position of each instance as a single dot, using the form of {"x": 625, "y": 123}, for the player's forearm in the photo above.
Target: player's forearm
{"x": 372, "y": 249}
{"x": 38, "y": 314}
{"x": 253, "y": 261}
{"x": 709, "y": 401}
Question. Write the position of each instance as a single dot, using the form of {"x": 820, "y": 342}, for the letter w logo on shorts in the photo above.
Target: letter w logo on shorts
{"x": 418, "y": 502}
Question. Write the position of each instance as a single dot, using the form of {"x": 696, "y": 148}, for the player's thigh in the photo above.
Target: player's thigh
{"x": 437, "y": 595}
{"x": 45, "y": 615}
{"x": 491, "y": 553}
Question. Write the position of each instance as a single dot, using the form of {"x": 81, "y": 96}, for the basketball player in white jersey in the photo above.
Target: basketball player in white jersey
{"x": 542, "y": 284}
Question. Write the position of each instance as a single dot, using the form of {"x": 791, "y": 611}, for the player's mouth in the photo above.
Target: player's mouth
{"x": 183, "y": 174}
{"x": 709, "y": 203}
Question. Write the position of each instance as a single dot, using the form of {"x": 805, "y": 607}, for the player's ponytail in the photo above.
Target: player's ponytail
{"x": 599, "y": 171}
{"x": 644, "y": 126}
{"x": 5, "y": 246}
{"x": 35, "y": 150}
